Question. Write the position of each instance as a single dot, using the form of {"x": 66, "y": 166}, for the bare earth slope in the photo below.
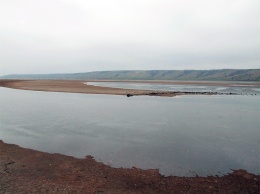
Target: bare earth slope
{"x": 28, "y": 171}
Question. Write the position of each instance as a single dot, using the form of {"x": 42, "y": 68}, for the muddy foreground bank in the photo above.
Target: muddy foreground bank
{"x": 28, "y": 171}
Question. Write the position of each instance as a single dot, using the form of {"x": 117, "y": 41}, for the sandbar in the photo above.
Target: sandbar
{"x": 81, "y": 86}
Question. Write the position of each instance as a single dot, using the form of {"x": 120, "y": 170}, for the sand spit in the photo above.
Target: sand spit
{"x": 62, "y": 86}
{"x": 29, "y": 171}
{"x": 75, "y": 86}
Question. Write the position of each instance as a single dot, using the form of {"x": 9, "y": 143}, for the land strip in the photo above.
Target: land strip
{"x": 75, "y": 86}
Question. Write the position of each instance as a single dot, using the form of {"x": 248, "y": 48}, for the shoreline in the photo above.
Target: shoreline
{"x": 81, "y": 86}
{"x": 25, "y": 170}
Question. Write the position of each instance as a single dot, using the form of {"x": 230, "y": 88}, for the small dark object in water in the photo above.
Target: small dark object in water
{"x": 129, "y": 95}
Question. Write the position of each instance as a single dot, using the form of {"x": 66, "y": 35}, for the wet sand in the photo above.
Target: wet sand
{"x": 62, "y": 86}
{"x": 28, "y": 171}
{"x": 75, "y": 86}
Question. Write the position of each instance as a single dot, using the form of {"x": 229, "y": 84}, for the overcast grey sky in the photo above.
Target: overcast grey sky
{"x": 59, "y": 36}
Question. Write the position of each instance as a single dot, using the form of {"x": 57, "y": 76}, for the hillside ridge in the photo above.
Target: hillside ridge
{"x": 190, "y": 75}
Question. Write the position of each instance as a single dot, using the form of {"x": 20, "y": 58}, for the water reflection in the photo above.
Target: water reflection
{"x": 202, "y": 134}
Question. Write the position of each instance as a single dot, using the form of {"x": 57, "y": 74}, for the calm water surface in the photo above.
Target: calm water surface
{"x": 238, "y": 87}
{"x": 206, "y": 135}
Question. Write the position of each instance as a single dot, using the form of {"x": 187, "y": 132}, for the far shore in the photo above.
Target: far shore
{"x": 82, "y": 86}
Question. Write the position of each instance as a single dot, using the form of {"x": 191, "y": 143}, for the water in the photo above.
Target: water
{"x": 238, "y": 88}
{"x": 206, "y": 135}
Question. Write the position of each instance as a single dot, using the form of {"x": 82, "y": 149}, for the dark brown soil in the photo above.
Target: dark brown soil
{"x": 28, "y": 171}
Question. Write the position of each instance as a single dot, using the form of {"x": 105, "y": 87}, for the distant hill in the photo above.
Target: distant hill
{"x": 196, "y": 75}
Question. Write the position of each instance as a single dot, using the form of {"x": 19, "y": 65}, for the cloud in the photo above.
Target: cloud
{"x": 77, "y": 35}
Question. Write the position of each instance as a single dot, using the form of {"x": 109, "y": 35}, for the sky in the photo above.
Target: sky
{"x": 69, "y": 36}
